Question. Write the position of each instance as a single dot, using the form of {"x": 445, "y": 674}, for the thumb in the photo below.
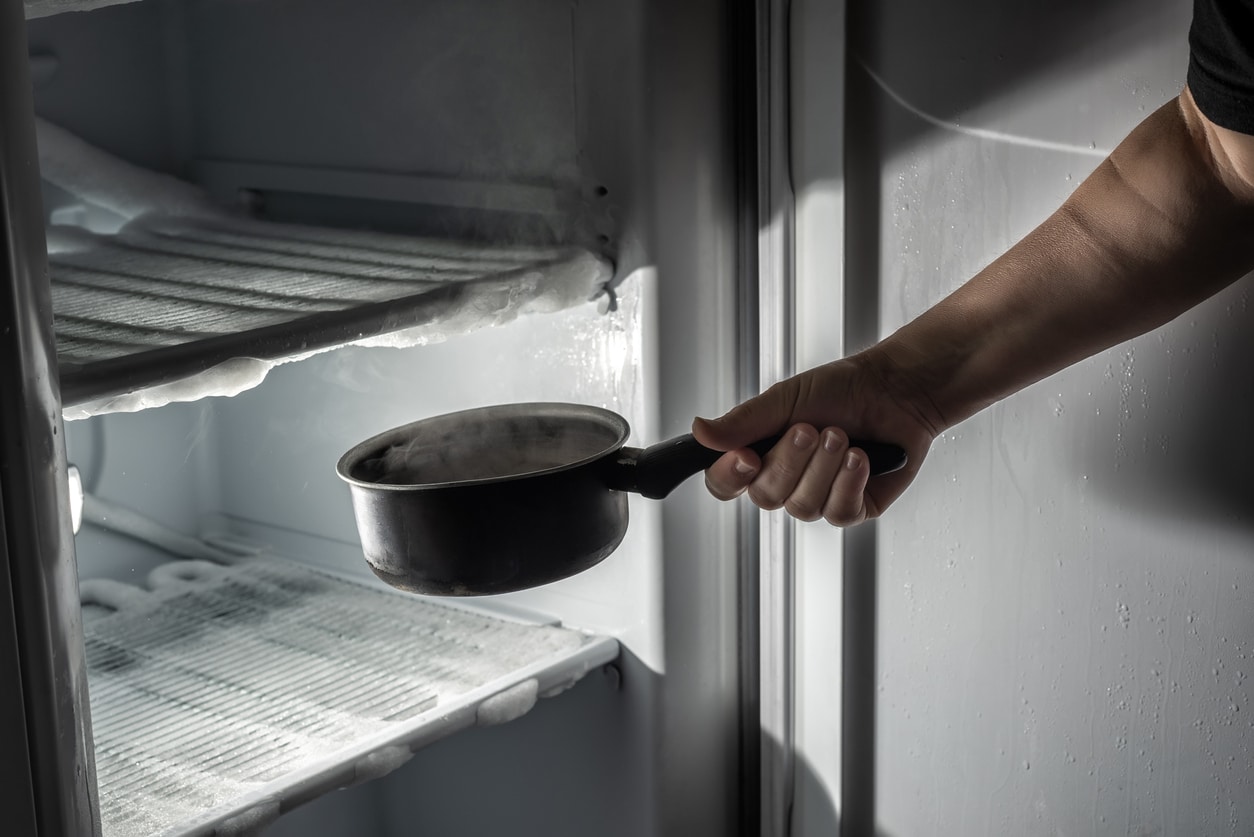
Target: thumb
{"x": 759, "y": 417}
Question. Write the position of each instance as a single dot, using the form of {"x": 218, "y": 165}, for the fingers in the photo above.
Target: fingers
{"x": 785, "y": 465}
{"x": 728, "y": 478}
{"x": 810, "y": 474}
{"x": 754, "y": 419}
{"x": 846, "y": 499}
{"x": 808, "y": 500}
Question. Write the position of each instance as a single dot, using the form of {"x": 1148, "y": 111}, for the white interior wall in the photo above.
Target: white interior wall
{"x": 1065, "y": 620}
{"x": 276, "y": 446}
{"x": 154, "y": 462}
{"x": 437, "y": 87}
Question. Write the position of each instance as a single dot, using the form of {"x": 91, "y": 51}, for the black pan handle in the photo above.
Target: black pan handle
{"x": 658, "y": 470}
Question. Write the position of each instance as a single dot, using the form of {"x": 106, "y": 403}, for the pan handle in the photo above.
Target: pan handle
{"x": 658, "y": 470}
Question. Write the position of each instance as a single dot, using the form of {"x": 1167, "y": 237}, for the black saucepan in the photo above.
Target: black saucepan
{"x": 509, "y": 497}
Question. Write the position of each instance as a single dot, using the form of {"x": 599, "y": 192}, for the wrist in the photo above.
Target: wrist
{"x": 912, "y": 379}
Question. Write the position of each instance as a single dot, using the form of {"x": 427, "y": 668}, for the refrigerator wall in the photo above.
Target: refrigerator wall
{"x": 1063, "y": 628}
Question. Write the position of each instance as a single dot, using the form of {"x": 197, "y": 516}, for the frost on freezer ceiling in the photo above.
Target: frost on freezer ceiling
{"x": 184, "y": 300}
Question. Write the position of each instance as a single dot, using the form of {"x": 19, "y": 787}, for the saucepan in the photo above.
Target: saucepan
{"x": 508, "y": 497}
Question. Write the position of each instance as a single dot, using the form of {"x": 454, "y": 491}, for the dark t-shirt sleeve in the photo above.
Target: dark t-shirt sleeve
{"x": 1221, "y": 62}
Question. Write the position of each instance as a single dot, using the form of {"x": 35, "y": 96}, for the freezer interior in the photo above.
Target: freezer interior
{"x": 276, "y": 229}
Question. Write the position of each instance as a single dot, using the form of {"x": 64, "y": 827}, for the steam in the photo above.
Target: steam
{"x": 484, "y": 445}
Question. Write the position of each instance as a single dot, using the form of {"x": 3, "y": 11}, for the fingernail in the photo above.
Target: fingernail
{"x": 851, "y": 461}
{"x": 743, "y": 468}
{"x": 831, "y": 443}
{"x": 800, "y": 438}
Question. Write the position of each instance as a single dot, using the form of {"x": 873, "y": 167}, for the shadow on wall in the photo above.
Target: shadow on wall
{"x": 815, "y": 814}
{"x": 947, "y": 59}
{"x": 1175, "y": 423}
{"x": 959, "y": 42}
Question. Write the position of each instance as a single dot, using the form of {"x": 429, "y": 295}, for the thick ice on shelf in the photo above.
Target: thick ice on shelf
{"x": 487, "y": 304}
{"x": 181, "y": 273}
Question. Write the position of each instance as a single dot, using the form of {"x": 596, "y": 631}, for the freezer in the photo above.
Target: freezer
{"x": 243, "y": 236}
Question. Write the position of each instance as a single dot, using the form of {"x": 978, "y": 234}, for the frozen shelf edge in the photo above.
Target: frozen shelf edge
{"x": 167, "y": 299}
{"x": 225, "y": 696}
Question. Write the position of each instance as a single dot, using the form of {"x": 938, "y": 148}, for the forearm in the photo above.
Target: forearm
{"x": 1165, "y": 222}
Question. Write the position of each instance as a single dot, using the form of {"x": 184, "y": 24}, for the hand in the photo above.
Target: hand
{"x": 812, "y": 472}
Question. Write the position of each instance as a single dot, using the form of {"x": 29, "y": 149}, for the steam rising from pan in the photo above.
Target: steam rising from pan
{"x": 490, "y": 500}
{"x": 480, "y": 447}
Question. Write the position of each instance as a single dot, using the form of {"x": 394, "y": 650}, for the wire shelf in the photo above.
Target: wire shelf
{"x": 223, "y": 696}
{"x": 167, "y": 298}
{"x": 175, "y": 298}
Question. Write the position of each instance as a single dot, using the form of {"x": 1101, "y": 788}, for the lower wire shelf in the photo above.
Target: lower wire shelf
{"x": 225, "y": 695}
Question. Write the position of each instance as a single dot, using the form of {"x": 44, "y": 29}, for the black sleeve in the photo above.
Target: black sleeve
{"x": 1221, "y": 62}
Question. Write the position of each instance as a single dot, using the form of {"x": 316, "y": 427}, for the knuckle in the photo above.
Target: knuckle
{"x": 802, "y": 509}
{"x": 837, "y": 520}
{"x": 780, "y": 391}
{"x": 844, "y": 515}
{"x": 721, "y": 488}
{"x": 723, "y": 492}
{"x": 786, "y": 469}
{"x": 763, "y": 499}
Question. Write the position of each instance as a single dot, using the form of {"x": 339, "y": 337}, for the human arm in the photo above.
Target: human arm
{"x": 1163, "y": 223}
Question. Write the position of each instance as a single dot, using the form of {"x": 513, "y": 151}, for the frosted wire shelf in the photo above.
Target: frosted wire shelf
{"x": 180, "y": 299}
{"x": 223, "y": 696}
{"x": 167, "y": 298}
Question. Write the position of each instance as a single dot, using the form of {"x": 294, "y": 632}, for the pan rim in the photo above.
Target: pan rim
{"x": 558, "y": 409}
